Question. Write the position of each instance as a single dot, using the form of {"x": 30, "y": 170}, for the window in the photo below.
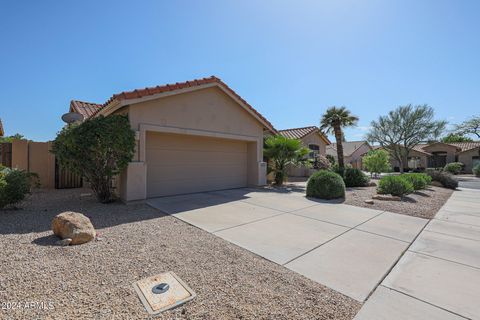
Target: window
{"x": 413, "y": 162}
{"x": 314, "y": 151}
{"x": 475, "y": 161}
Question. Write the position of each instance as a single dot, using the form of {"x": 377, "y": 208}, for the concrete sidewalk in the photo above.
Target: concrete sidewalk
{"x": 439, "y": 276}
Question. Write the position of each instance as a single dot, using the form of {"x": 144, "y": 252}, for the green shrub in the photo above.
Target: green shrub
{"x": 394, "y": 185}
{"x": 418, "y": 180}
{"x": 476, "y": 170}
{"x": 355, "y": 178}
{"x": 454, "y": 167}
{"x": 325, "y": 185}
{"x": 97, "y": 149}
{"x": 446, "y": 179}
{"x": 14, "y": 186}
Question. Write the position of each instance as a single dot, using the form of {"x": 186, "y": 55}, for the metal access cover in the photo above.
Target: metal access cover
{"x": 162, "y": 292}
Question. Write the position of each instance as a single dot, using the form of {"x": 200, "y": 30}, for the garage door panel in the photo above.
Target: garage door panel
{"x": 178, "y": 164}
{"x": 167, "y": 157}
{"x": 199, "y": 172}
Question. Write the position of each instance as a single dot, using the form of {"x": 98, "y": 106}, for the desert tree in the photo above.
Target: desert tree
{"x": 333, "y": 121}
{"x": 469, "y": 127}
{"x": 403, "y": 128}
{"x": 453, "y": 137}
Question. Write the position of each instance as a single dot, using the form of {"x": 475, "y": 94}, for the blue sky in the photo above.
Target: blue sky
{"x": 289, "y": 59}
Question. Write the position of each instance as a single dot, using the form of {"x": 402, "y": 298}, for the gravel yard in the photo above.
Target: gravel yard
{"x": 422, "y": 204}
{"x": 94, "y": 281}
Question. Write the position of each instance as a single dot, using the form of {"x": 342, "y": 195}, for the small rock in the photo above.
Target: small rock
{"x": 386, "y": 197}
{"x": 369, "y": 201}
{"x": 75, "y": 226}
{"x": 64, "y": 242}
{"x": 437, "y": 184}
{"x": 371, "y": 184}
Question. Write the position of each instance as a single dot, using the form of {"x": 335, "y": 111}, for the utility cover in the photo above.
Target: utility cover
{"x": 176, "y": 293}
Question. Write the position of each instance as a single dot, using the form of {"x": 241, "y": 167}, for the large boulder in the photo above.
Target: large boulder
{"x": 75, "y": 226}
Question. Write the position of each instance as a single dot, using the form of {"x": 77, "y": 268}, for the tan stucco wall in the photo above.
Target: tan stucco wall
{"x": 208, "y": 112}
{"x": 412, "y": 153}
{"x": 450, "y": 150}
{"x": 313, "y": 138}
{"x": 35, "y": 157}
{"x": 466, "y": 158}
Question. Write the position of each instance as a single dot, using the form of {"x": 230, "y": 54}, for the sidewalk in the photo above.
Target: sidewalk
{"x": 439, "y": 275}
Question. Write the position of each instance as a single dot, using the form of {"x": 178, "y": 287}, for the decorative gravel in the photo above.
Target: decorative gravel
{"x": 94, "y": 280}
{"x": 422, "y": 204}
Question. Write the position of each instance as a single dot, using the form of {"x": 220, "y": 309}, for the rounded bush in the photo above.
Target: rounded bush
{"x": 446, "y": 179}
{"x": 14, "y": 186}
{"x": 325, "y": 185}
{"x": 476, "y": 170}
{"x": 355, "y": 178}
{"x": 454, "y": 167}
{"x": 394, "y": 185}
{"x": 418, "y": 180}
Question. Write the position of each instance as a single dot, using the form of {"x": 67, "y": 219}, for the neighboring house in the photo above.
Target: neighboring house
{"x": 353, "y": 152}
{"x": 313, "y": 139}
{"x": 192, "y": 136}
{"x": 1, "y": 129}
{"x": 438, "y": 154}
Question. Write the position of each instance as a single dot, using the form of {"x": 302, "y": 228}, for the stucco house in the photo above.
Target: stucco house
{"x": 313, "y": 139}
{"x": 353, "y": 152}
{"x": 438, "y": 154}
{"x": 192, "y": 136}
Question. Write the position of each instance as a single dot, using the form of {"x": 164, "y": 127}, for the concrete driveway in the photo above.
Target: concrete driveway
{"x": 349, "y": 249}
{"x": 468, "y": 181}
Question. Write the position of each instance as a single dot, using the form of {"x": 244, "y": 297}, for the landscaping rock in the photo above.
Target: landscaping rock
{"x": 386, "y": 197}
{"x": 371, "y": 184}
{"x": 369, "y": 201}
{"x": 74, "y": 226}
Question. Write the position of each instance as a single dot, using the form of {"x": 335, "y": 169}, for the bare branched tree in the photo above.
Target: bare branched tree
{"x": 469, "y": 127}
{"x": 403, "y": 128}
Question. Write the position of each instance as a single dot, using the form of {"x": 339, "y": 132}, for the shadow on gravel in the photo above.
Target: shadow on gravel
{"x": 38, "y": 212}
{"x": 46, "y": 241}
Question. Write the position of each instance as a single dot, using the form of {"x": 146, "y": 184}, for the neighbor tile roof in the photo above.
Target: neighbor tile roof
{"x": 349, "y": 147}
{"x": 1, "y": 129}
{"x": 464, "y": 146}
{"x": 139, "y": 93}
{"x": 461, "y": 146}
{"x": 299, "y": 133}
{"x": 87, "y": 109}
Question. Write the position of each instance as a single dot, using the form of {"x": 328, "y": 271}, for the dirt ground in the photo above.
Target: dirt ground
{"x": 94, "y": 280}
{"x": 423, "y": 204}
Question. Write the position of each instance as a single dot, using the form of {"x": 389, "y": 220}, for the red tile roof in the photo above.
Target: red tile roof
{"x": 139, "y": 93}
{"x": 465, "y": 146}
{"x": 87, "y": 109}
{"x": 461, "y": 146}
{"x": 1, "y": 129}
{"x": 299, "y": 133}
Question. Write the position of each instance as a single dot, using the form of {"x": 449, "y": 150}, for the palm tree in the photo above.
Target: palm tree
{"x": 281, "y": 152}
{"x": 333, "y": 121}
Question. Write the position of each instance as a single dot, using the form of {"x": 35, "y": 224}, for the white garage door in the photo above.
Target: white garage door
{"x": 179, "y": 164}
